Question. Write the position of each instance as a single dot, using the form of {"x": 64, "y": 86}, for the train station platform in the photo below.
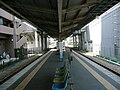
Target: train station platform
{"x": 85, "y": 75}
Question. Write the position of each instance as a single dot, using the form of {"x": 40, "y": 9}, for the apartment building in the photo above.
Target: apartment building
{"x": 13, "y": 39}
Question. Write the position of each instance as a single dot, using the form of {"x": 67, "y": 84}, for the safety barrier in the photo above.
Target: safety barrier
{"x": 60, "y": 78}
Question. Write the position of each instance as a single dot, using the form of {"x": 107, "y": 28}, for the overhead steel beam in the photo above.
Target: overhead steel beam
{"x": 65, "y": 35}
{"x": 59, "y": 2}
{"x": 73, "y": 21}
{"x": 66, "y": 7}
{"x": 76, "y": 8}
{"x": 69, "y": 27}
{"x": 59, "y": 13}
{"x": 48, "y": 28}
{"x": 34, "y": 8}
{"x": 44, "y": 22}
{"x": 11, "y": 9}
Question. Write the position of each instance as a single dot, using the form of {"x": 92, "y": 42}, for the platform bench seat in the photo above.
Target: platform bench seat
{"x": 60, "y": 78}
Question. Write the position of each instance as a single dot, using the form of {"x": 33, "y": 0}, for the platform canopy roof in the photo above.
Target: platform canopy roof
{"x": 58, "y": 18}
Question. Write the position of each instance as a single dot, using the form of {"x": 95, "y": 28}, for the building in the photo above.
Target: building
{"x": 95, "y": 36}
{"x": 110, "y": 45}
{"x": 104, "y": 34}
{"x": 16, "y": 37}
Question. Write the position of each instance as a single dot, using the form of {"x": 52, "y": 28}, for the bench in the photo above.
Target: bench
{"x": 60, "y": 78}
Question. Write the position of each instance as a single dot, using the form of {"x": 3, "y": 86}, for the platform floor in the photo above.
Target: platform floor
{"x": 40, "y": 77}
{"x": 87, "y": 75}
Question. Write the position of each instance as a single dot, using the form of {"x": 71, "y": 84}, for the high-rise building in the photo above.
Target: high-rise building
{"x": 110, "y": 45}
{"x": 104, "y": 33}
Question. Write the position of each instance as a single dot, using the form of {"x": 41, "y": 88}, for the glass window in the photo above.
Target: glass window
{"x": 1, "y": 21}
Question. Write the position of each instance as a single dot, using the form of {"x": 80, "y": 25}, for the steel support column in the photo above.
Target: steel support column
{"x": 82, "y": 41}
{"x": 39, "y": 43}
{"x": 79, "y": 41}
{"x": 60, "y": 16}
{"x": 45, "y": 42}
{"x": 42, "y": 41}
{"x": 73, "y": 41}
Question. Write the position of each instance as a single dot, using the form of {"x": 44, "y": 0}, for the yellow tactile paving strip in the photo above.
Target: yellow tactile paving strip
{"x": 24, "y": 83}
{"x": 104, "y": 82}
